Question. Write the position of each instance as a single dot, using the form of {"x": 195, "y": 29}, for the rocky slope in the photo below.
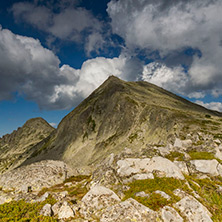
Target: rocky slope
{"x": 129, "y": 152}
{"x": 14, "y": 147}
{"x": 124, "y": 114}
{"x": 183, "y": 183}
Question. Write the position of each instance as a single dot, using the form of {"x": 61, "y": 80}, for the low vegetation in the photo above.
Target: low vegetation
{"x": 175, "y": 156}
{"x": 22, "y": 211}
{"x": 211, "y": 194}
{"x": 195, "y": 155}
{"x": 155, "y": 201}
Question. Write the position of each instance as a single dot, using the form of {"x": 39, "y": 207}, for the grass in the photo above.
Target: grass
{"x": 155, "y": 201}
{"x": 175, "y": 156}
{"x": 195, "y": 155}
{"x": 22, "y": 211}
{"x": 210, "y": 197}
{"x": 76, "y": 190}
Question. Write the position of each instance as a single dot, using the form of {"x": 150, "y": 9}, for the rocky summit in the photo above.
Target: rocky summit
{"x": 131, "y": 151}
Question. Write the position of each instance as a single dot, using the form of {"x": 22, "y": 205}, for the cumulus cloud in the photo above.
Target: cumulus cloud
{"x": 63, "y": 20}
{"x": 173, "y": 79}
{"x": 212, "y": 105}
{"x": 33, "y": 71}
{"x": 170, "y": 27}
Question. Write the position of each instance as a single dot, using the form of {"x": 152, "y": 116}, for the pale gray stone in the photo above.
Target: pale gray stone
{"x": 65, "y": 211}
{"x": 130, "y": 166}
{"x": 183, "y": 166}
{"x": 37, "y": 175}
{"x": 206, "y": 166}
{"x": 97, "y": 198}
{"x": 193, "y": 210}
{"x": 46, "y": 210}
{"x": 163, "y": 194}
{"x": 169, "y": 214}
{"x": 128, "y": 210}
{"x": 142, "y": 194}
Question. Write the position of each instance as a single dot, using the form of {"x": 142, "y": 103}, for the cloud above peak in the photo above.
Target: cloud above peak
{"x": 29, "y": 69}
{"x": 63, "y": 20}
{"x": 171, "y": 27}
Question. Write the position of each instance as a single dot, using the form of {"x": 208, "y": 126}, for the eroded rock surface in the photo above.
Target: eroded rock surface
{"x": 34, "y": 176}
{"x": 128, "y": 210}
{"x": 193, "y": 210}
{"x": 130, "y": 166}
{"x": 99, "y": 197}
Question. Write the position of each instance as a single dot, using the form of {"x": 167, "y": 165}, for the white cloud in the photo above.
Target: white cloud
{"x": 212, "y": 105}
{"x": 173, "y": 79}
{"x": 53, "y": 124}
{"x": 30, "y": 69}
{"x": 172, "y": 26}
{"x": 69, "y": 23}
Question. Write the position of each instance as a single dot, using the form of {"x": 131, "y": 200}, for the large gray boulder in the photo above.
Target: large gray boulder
{"x": 131, "y": 166}
{"x": 211, "y": 167}
{"x": 169, "y": 214}
{"x": 65, "y": 211}
{"x": 128, "y": 210}
{"x": 193, "y": 210}
{"x": 98, "y": 198}
{"x": 46, "y": 210}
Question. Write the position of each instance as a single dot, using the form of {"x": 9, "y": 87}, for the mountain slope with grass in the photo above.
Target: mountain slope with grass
{"x": 121, "y": 115}
{"x": 131, "y": 151}
{"x": 14, "y": 147}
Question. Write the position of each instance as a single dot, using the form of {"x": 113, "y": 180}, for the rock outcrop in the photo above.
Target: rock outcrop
{"x": 35, "y": 176}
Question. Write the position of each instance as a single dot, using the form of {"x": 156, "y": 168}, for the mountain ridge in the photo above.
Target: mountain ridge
{"x": 121, "y": 114}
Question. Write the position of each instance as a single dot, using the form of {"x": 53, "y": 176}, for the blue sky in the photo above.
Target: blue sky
{"x": 53, "y": 54}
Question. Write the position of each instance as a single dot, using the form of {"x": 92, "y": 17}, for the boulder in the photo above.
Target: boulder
{"x": 163, "y": 194}
{"x": 65, "y": 211}
{"x": 211, "y": 167}
{"x": 218, "y": 153}
{"x": 97, "y": 198}
{"x": 193, "y": 210}
{"x": 46, "y": 210}
{"x": 183, "y": 166}
{"x": 142, "y": 194}
{"x": 132, "y": 166}
{"x": 128, "y": 210}
{"x": 169, "y": 214}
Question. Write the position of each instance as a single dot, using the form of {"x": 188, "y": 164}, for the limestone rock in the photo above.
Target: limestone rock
{"x": 211, "y": 167}
{"x": 65, "y": 211}
{"x": 218, "y": 153}
{"x": 182, "y": 165}
{"x": 130, "y": 166}
{"x": 141, "y": 194}
{"x": 56, "y": 207}
{"x": 178, "y": 143}
{"x": 46, "y": 210}
{"x": 42, "y": 198}
{"x": 169, "y": 214}
{"x": 193, "y": 210}
{"x": 163, "y": 194}
{"x": 128, "y": 210}
{"x": 97, "y": 198}
{"x": 36, "y": 176}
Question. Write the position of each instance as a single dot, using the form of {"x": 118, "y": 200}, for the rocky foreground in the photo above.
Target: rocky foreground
{"x": 180, "y": 182}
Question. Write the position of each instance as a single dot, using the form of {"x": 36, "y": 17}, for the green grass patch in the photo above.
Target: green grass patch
{"x": 195, "y": 155}
{"x": 78, "y": 190}
{"x": 211, "y": 198}
{"x": 155, "y": 201}
{"x": 25, "y": 212}
{"x": 175, "y": 156}
{"x": 77, "y": 178}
